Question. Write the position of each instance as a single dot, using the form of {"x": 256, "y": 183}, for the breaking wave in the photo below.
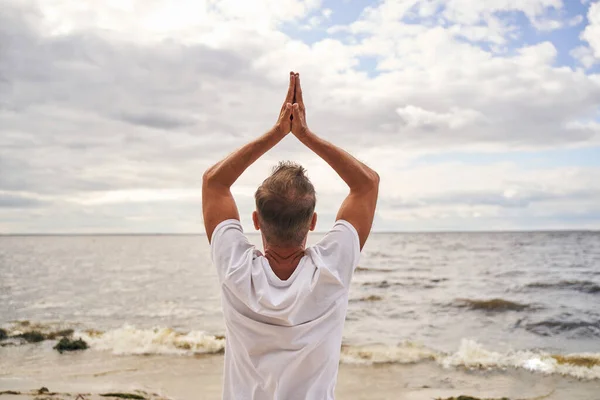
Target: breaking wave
{"x": 129, "y": 340}
{"x": 472, "y": 355}
{"x": 122, "y": 341}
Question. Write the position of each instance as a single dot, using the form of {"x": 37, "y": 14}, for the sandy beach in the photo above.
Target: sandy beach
{"x": 92, "y": 373}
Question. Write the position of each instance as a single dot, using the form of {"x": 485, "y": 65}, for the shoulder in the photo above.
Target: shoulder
{"x": 338, "y": 251}
{"x": 342, "y": 235}
{"x": 229, "y": 246}
{"x": 342, "y": 225}
{"x": 228, "y": 227}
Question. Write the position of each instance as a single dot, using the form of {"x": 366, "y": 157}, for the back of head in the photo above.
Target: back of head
{"x": 285, "y": 203}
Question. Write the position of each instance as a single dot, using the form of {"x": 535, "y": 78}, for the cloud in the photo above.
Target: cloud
{"x": 8, "y": 200}
{"x": 576, "y": 20}
{"x": 584, "y": 55}
{"x": 110, "y": 113}
{"x": 591, "y": 33}
{"x": 454, "y": 119}
{"x": 589, "y": 55}
{"x": 156, "y": 119}
{"x": 509, "y": 198}
{"x": 317, "y": 20}
{"x": 550, "y": 24}
{"x": 497, "y": 196}
{"x": 547, "y": 24}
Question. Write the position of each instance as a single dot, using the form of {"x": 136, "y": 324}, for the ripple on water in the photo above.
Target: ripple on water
{"x": 370, "y": 298}
{"x": 369, "y": 269}
{"x": 417, "y": 284}
{"x": 564, "y": 324}
{"x": 579, "y": 286}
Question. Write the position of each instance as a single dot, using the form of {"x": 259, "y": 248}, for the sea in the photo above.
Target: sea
{"x": 527, "y": 300}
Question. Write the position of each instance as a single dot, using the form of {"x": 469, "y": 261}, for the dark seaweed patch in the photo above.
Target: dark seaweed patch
{"x": 124, "y": 396}
{"x": 32, "y": 336}
{"x": 493, "y": 305}
{"x": 369, "y": 298}
{"x": 580, "y": 361}
{"x": 56, "y": 335}
{"x": 470, "y": 398}
{"x": 35, "y": 333}
{"x": 66, "y": 344}
{"x": 382, "y": 285}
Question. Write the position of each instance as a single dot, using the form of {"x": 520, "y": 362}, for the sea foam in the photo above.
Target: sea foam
{"x": 131, "y": 340}
{"x": 472, "y": 355}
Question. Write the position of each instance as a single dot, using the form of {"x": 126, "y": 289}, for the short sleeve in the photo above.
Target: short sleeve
{"x": 230, "y": 248}
{"x": 339, "y": 251}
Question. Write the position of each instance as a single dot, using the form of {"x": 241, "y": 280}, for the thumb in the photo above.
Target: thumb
{"x": 296, "y": 110}
{"x": 288, "y": 111}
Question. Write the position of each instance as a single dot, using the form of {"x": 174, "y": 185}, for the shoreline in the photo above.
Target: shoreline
{"x": 132, "y": 341}
{"x": 200, "y": 377}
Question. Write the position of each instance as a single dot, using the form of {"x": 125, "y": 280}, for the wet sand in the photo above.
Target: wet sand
{"x": 186, "y": 378}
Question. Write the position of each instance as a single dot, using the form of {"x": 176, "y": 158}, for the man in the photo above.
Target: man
{"x": 285, "y": 310}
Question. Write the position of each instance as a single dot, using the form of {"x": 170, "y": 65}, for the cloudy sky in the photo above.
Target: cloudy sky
{"x": 478, "y": 114}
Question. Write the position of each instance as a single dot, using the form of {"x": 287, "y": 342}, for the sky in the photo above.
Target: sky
{"x": 477, "y": 114}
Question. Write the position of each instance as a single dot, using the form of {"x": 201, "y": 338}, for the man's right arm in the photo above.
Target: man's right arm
{"x": 359, "y": 206}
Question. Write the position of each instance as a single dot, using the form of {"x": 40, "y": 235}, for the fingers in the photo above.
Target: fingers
{"x": 298, "y": 98}
{"x": 290, "y": 94}
{"x": 299, "y": 127}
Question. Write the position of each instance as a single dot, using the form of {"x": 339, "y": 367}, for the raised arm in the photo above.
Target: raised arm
{"x": 359, "y": 206}
{"x": 218, "y": 204}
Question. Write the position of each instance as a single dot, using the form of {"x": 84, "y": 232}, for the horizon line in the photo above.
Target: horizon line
{"x": 588, "y": 230}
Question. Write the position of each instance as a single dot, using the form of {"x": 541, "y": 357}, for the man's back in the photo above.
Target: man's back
{"x": 283, "y": 337}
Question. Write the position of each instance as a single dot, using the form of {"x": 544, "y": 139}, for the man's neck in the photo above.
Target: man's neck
{"x": 283, "y": 261}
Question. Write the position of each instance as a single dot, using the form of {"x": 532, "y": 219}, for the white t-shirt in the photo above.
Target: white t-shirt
{"x": 283, "y": 338}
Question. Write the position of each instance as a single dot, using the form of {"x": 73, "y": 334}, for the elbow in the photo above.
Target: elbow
{"x": 375, "y": 179}
{"x": 372, "y": 180}
{"x": 370, "y": 183}
{"x": 208, "y": 177}
{"x": 213, "y": 179}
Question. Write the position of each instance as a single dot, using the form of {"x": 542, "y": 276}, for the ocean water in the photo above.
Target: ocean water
{"x": 461, "y": 299}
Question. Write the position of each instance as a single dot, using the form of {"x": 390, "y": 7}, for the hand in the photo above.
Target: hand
{"x": 299, "y": 127}
{"x": 284, "y": 123}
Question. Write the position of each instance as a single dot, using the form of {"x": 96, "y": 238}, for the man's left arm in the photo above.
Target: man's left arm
{"x": 218, "y": 204}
